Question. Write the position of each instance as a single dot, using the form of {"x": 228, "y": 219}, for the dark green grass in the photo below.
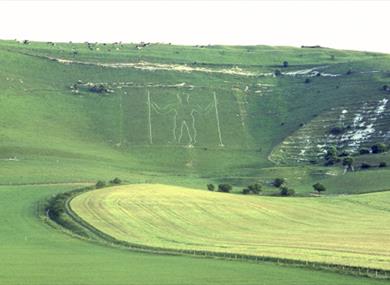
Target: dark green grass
{"x": 34, "y": 253}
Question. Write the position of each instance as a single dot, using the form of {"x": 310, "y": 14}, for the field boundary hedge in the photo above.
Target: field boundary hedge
{"x": 57, "y": 212}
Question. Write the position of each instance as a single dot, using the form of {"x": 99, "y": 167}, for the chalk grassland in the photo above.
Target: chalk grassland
{"x": 41, "y": 115}
{"x": 338, "y": 230}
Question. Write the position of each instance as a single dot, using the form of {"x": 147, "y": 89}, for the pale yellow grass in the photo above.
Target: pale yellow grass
{"x": 350, "y": 230}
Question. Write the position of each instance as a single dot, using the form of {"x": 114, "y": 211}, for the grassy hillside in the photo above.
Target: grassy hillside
{"x": 162, "y": 110}
{"x": 72, "y": 114}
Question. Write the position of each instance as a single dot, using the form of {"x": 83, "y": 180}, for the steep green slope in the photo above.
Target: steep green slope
{"x": 224, "y": 109}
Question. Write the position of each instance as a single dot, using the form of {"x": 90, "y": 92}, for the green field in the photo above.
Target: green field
{"x": 188, "y": 116}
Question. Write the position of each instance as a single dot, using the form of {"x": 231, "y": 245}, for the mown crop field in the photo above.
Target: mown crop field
{"x": 337, "y": 230}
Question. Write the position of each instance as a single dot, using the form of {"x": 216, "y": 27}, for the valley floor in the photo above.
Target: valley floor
{"x": 32, "y": 253}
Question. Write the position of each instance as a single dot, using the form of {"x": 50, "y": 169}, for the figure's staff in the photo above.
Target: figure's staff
{"x": 150, "y": 119}
{"x": 217, "y": 117}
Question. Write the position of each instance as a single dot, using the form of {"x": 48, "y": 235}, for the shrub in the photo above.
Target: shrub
{"x": 100, "y": 88}
{"x": 245, "y": 191}
{"x": 226, "y": 188}
{"x": 319, "y": 187}
{"x": 331, "y": 156}
{"x": 285, "y": 191}
{"x": 336, "y": 131}
{"x": 379, "y": 148}
{"x": 344, "y": 153}
{"x": 348, "y": 161}
{"x": 307, "y": 80}
{"x": 285, "y": 64}
{"x": 254, "y": 189}
{"x": 100, "y": 184}
{"x": 349, "y": 72}
{"x": 277, "y": 72}
{"x": 365, "y": 165}
{"x": 116, "y": 180}
{"x": 210, "y": 187}
{"x": 278, "y": 182}
{"x": 382, "y": 164}
{"x": 364, "y": 151}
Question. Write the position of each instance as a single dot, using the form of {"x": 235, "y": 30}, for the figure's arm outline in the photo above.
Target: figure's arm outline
{"x": 163, "y": 110}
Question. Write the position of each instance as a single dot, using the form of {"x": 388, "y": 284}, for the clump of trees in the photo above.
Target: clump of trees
{"x": 348, "y": 163}
{"x": 379, "y": 148}
{"x": 225, "y": 188}
{"x": 364, "y": 150}
{"x": 285, "y": 191}
{"x": 116, "y": 180}
{"x": 318, "y": 187}
{"x": 252, "y": 189}
{"x": 277, "y": 72}
{"x": 278, "y": 182}
{"x": 100, "y": 184}
{"x": 336, "y": 131}
{"x": 99, "y": 88}
{"x": 285, "y": 64}
{"x": 365, "y": 165}
{"x": 210, "y": 187}
{"x": 331, "y": 156}
{"x": 376, "y": 148}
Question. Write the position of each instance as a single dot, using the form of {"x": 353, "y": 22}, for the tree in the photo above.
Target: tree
{"x": 278, "y": 182}
{"x": 364, "y": 151}
{"x": 319, "y": 187}
{"x": 336, "y": 131}
{"x": 277, "y": 72}
{"x": 210, "y": 187}
{"x": 116, "y": 180}
{"x": 348, "y": 162}
{"x": 285, "y": 64}
{"x": 379, "y": 148}
{"x": 226, "y": 188}
{"x": 365, "y": 165}
{"x": 100, "y": 184}
{"x": 245, "y": 191}
{"x": 254, "y": 189}
{"x": 382, "y": 164}
{"x": 285, "y": 191}
{"x": 331, "y": 156}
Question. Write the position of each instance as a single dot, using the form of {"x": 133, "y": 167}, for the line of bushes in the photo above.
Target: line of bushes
{"x": 56, "y": 207}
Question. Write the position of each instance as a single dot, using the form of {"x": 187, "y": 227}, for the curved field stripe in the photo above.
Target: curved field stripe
{"x": 349, "y": 230}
